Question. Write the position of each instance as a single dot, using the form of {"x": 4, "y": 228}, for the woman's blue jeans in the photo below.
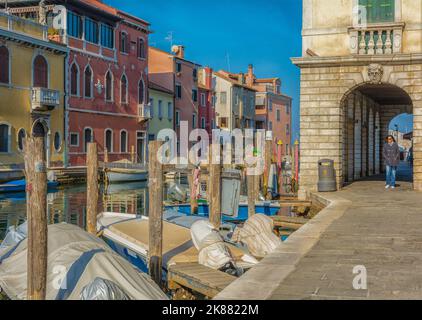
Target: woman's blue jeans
{"x": 391, "y": 175}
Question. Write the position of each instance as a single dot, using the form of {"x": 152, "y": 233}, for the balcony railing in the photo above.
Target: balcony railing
{"x": 23, "y": 26}
{"x": 44, "y": 99}
{"x": 376, "y": 39}
{"x": 144, "y": 112}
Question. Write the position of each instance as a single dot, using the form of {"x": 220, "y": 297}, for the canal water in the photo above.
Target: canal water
{"x": 68, "y": 204}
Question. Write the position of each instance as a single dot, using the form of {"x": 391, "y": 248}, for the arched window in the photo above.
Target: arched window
{"x": 123, "y": 89}
{"x": 109, "y": 140}
{"x": 40, "y": 72}
{"x": 74, "y": 80}
{"x": 88, "y": 82}
{"x": 141, "y": 49}
{"x": 123, "y": 141}
{"x": 109, "y": 86}
{"x": 4, "y": 137}
{"x": 141, "y": 92}
{"x": 88, "y": 137}
{"x": 21, "y": 137}
{"x": 124, "y": 42}
{"x": 4, "y": 65}
{"x": 57, "y": 141}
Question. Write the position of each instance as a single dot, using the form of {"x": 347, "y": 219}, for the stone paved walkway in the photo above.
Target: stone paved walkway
{"x": 364, "y": 225}
{"x": 381, "y": 230}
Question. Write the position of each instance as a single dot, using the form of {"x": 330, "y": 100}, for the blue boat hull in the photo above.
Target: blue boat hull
{"x": 20, "y": 186}
{"x": 203, "y": 210}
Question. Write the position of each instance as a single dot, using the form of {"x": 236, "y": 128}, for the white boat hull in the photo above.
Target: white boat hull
{"x": 116, "y": 177}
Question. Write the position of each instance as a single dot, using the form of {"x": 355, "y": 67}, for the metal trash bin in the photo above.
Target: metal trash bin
{"x": 327, "y": 176}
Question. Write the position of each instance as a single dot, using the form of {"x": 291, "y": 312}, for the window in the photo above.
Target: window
{"x": 223, "y": 122}
{"x": 223, "y": 98}
{"x": 74, "y": 25}
{"x": 379, "y": 10}
{"x": 170, "y": 111}
{"x": 74, "y": 139}
{"x": 160, "y": 109}
{"x": 270, "y": 105}
{"x": 287, "y": 109}
{"x": 287, "y": 129}
{"x": 4, "y": 137}
{"x": 195, "y": 95}
{"x": 21, "y": 137}
{"x": 195, "y": 73}
{"x": 109, "y": 140}
{"x": 109, "y": 96}
{"x": 270, "y": 126}
{"x": 40, "y": 72}
{"x": 178, "y": 67}
{"x": 124, "y": 42}
{"x": 278, "y": 115}
{"x": 88, "y": 137}
{"x": 74, "y": 80}
{"x": 141, "y": 92}
{"x": 212, "y": 124}
{"x": 141, "y": 49}
{"x": 177, "y": 118}
{"x": 202, "y": 123}
{"x": 123, "y": 141}
{"x": 91, "y": 30}
{"x": 203, "y": 102}
{"x": 88, "y": 82}
{"x": 107, "y": 36}
{"x": 4, "y": 64}
{"x": 178, "y": 91}
{"x": 151, "y": 137}
{"x": 57, "y": 141}
{"x": 151, "y": 104}
{"x": 194, "y": 124}
{"x": 124, "y": 89}
{"x": 287, "y": 148}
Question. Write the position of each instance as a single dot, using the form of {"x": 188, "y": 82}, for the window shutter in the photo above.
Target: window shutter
{"x": 4, "y": 65}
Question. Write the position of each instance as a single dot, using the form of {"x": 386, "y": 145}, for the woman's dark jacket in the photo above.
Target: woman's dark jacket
{"x": 391, "y": 154}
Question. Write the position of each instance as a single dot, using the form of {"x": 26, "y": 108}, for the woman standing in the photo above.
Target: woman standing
{"x": 391, "y": 154}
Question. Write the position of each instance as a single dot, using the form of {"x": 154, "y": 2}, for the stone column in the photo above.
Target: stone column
{"x": 358, "y": 136}
{"x": 371, "y": 134}
{"x": 365, "y": 102}
{"x": 377, "y": 143}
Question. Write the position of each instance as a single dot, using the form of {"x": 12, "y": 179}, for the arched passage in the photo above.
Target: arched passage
{"x": 367, "y": 112}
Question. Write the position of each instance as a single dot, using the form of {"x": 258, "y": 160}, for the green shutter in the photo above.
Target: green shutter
{"x": 379, "y": 10}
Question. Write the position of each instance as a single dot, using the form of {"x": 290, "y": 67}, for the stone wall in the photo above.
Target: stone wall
{"x": 326, "y": 84}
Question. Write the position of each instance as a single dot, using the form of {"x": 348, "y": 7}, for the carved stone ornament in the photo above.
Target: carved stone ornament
{"x": 375, "y": 73}
{"x": 42, "y": 11}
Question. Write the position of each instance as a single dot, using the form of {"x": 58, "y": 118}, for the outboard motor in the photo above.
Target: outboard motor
{"x": 213, "y": 252}
{"x": 257, "y": 233}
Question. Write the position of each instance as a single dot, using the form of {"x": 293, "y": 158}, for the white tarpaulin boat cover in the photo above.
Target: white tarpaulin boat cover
{"x": 213, "y": 252}
{"x": 80, "y": 266}
{"x": 257, "y": 233}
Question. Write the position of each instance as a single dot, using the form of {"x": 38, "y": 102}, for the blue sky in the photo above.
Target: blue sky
{"x": 235, "y": 33}
{"x": 230, "y": 34}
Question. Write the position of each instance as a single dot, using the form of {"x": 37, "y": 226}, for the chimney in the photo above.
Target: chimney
{"x": 250, "y": 76}
{"x": 241, "y": 78}
{"x": 179, "y": 51}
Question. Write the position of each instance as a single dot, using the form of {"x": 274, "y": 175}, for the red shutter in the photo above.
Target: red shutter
{"x": 40, "y": 72}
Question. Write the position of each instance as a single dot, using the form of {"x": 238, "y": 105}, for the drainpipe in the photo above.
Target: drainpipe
{"x": 66, "y": 113}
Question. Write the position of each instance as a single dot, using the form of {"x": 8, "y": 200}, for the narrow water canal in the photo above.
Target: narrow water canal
{"x": 68, "y": 204}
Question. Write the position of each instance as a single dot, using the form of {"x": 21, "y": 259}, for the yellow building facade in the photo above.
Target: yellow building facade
{"x": 32, "y": 91}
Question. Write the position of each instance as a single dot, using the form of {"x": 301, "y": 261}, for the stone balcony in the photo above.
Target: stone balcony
{"x": 44, "y": 99}
{"x": 376, "y": 39}
{"x": 144, "y": 112}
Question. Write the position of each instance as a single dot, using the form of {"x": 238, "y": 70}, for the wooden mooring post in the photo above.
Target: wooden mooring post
{"x": 268, "y": 162}
{"x": 36, "y": 187}
{"x": 251, "y": 193}
{"x": 155, "y": 212}
{"x": 215, "y": 186}
{"x": 92, "y": 188}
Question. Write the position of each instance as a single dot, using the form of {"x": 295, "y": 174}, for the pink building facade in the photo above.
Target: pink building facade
{"x": 206, "y": 108}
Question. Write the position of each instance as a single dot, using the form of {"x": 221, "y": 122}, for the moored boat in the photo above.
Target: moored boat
{"x": 20, "y": 186}
{"x": 120, "y": 175}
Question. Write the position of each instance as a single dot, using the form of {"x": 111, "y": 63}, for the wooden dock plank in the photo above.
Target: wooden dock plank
{"x": 198, "y": 278}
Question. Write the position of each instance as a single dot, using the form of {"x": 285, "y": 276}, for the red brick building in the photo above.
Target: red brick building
{"x": 107, "y": 77}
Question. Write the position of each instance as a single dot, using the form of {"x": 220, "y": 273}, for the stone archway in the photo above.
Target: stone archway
{"x": 326, "y": 84}
{"x": 367, "y": 112}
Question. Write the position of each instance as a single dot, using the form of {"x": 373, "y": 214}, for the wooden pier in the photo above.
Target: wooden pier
{"x": 198, "y": 278}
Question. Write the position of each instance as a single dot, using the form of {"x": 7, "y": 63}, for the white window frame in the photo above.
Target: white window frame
{"x": 112, "y": 139}
{"x": 86, "y": 142}
{"x": 91, "y": 84}
{"x": 70, "y": 139}
{"x": 160, "y": 109}
{"x": 203, "y": 100}
{"x": 120, "y": 141}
